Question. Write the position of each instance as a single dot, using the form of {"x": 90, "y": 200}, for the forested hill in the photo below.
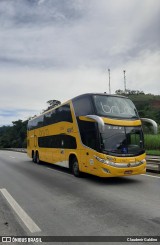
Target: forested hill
{"x": 148, "y": 105}
{"x": 14, "y": 136}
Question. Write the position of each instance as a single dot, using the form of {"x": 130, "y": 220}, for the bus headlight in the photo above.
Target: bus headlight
{"x": 105, "y": 161}
{"x": 120, "y": 165}
{"x": 102, "y": 160}
{"x": 143, "y": 161}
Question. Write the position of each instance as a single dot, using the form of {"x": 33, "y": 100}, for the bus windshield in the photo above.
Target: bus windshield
{"x": 120, "y": 140}
{"x": 114, "y": 107}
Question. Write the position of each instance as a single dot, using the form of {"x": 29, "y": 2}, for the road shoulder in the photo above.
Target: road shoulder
{"x": 9, "y": 223}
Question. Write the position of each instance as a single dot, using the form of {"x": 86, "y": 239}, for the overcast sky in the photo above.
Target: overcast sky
{"x": 58, "y": 49}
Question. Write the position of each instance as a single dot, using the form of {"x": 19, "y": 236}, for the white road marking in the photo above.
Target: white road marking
{"x": 11, "y": 157}
{"x": 152, "y": 176}
{"x": 20, "y": 212}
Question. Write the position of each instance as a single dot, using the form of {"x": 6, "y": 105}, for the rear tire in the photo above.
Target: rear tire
{"x": 36, "y": 158}
{"x": 75, "y": 168}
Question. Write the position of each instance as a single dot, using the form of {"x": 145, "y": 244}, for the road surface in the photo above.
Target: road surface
{"x": 58, "y": 204}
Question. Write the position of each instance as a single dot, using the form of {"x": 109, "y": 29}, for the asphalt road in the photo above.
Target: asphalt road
{"x": 62, "y": 205}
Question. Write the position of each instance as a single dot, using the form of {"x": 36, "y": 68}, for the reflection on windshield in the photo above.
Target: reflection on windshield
{"x": 120, "y": 140}
{"x": 112, "y": 106}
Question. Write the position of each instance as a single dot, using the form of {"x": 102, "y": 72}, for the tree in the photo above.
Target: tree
{"x": 52, "y": 104}
{"x": 14, "y": 136}
{"x": 119, "y": 91}
{"x": 129, "y": 92}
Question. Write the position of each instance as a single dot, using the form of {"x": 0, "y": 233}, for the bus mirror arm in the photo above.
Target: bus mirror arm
{"x": 99, "y": 120}
{"x": 152, "y": 122}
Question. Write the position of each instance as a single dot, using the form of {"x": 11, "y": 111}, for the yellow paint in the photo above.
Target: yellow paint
{"x": 85, "y": 155}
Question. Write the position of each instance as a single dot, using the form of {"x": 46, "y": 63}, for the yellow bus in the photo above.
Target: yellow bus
{"x": 94, "y": 133}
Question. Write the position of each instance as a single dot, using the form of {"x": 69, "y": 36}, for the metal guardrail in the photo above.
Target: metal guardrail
{"x": 153, "y": 163}
{"x": 23, "y": 150}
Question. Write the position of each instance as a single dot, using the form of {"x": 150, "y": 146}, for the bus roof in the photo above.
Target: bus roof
{"x": 75, "y": 98}
{"x": 90, "y": 94}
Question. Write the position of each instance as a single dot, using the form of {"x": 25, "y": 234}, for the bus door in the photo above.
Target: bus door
{"x": 87, "y": 160}
{"x": 89, "y": 137}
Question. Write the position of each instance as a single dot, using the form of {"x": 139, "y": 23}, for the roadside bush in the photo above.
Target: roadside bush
{"x": 152, "y": 142}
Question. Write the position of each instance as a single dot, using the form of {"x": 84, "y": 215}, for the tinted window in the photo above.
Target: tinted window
{"x": 123, "y": 140}
{"x": 88, "y": 132}
{"x": 112, "y": 106}
{"x": 58, "y": 141}
{"x": 36, "y": 123}
{"x": 60, "y": 114}
{"x": 63, "y": 113}
{"x": 83, "y": 106}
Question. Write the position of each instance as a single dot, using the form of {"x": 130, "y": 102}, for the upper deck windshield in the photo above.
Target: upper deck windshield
{"x": 114, "y": 107}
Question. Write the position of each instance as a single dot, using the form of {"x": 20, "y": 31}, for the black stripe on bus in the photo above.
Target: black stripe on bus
{"x": 58, "y": 141}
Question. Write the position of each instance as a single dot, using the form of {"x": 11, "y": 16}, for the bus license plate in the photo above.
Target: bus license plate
{"x": 128, "y": 172}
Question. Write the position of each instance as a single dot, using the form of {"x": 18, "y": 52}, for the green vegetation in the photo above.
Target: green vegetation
{"x": 148, "y": 105}
{"x": 14, "y": 136}
{"x": 153, "y": 152}
{"x": 152, "y": 142}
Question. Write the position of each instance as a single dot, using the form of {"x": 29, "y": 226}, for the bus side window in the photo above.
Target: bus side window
{"x": 88, "y": 131}
{"x": 83, "y": 106}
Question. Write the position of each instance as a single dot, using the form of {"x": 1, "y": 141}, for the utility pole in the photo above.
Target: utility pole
{"x": 124, "y": 81}
{"x": 109, "y": 81}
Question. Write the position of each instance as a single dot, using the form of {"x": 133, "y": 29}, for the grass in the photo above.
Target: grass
{"x": 153, "y": 152}
{"x": 152, "y": 142}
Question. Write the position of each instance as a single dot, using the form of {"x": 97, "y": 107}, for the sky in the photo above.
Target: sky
{"x": 58, "y": 49}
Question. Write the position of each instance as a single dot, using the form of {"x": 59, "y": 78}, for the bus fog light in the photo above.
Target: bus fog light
{"x": 143, "y": 161}
{"x": 106, "y": 170}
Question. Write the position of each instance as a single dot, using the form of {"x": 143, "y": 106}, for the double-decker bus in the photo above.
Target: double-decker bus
{"x": 95, "y": 133}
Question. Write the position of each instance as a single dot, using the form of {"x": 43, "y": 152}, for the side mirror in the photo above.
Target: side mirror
{"x": 99, "y": 120}
{"x": 152, "y": 122}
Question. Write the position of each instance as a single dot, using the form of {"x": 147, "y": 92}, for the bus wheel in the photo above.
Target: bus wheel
{"x": 75, "y": 168}
{"x": 37, "y": 158}
{"x": 34, "y": 157}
